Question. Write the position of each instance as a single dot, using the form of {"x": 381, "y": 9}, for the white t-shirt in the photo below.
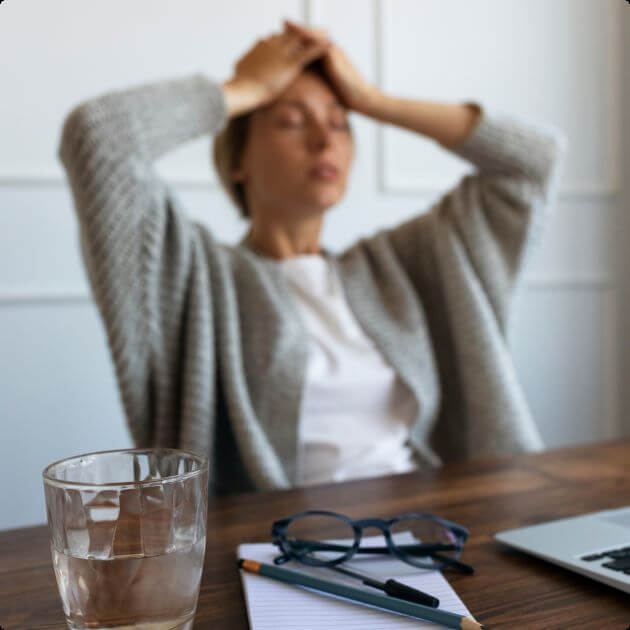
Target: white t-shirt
{"x": 355, "y": 413}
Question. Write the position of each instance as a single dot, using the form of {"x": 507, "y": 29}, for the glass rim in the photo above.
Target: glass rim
{"x": 203, "y": 460}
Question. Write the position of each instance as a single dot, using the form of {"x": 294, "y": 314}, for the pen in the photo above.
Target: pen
{"x": 448, "y": 619}
{"x": 393, "y": 588}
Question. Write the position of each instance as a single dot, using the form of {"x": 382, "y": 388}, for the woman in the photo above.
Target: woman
{"x": 286, "y": 363}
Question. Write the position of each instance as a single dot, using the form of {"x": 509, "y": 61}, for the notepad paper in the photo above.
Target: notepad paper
{"x": 274, "y": 605}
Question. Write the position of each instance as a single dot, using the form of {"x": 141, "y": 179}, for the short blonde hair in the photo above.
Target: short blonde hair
{"x": 229, "y": 146}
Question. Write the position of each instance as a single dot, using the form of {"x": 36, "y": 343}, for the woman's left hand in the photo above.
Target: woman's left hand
{"x": 355, "y": 92}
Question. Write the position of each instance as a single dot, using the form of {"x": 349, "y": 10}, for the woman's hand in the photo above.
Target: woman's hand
{"x": 268, "y": 68}
{"x": 449, "y": 124}
{"x": 352, "y": 88}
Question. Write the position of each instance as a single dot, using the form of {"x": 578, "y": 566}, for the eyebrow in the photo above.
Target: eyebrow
{"x": 302, "y": 105}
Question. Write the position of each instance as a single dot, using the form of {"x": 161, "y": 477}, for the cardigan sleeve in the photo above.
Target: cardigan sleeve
{"x": 488, "y": 219}
{"x": 138, "y": 248}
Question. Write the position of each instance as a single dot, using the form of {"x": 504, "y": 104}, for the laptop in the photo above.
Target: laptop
{"x": 596, "y": 545}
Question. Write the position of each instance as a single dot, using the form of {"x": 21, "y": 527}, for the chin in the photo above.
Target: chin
{"x": 321, "y": 206}
{"x": 326, "y": 199}
{"x": 317, "y": 199}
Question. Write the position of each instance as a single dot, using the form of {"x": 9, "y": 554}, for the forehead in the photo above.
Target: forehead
{"x": 310, "y": 91}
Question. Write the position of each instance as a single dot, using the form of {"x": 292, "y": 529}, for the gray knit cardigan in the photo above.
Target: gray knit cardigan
{"x": 209, "y": 350}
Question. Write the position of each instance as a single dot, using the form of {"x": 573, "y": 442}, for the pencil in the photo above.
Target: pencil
{"x": 443, "y": 617}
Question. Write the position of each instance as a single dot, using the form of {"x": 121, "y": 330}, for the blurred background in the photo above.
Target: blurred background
{"x": 565, "y": 63}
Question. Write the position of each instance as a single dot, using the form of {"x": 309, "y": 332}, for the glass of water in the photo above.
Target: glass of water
{"x": 128, "y": 536}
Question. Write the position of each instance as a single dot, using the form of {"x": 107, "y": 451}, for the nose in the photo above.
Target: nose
{"x": 319, "y": 136}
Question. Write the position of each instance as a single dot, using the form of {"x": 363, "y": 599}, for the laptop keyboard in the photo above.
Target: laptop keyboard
{"x": 619, "y": 559}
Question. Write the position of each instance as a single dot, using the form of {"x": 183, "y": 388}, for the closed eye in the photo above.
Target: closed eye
{"x": 290, "y": 123}
{"x": 338, "y": 119}
{"x": 339, "y": 125}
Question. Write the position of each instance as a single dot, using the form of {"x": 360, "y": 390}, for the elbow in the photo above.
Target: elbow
{"x": 555, "y": 150}
{"x": 557, "y": 145}
{"x": 78, "y": 126}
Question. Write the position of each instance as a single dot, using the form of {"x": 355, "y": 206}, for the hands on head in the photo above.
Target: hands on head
{"x": 270, "y": 66}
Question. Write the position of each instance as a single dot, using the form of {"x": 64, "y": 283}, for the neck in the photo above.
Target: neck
{"x": 284, "y": 240}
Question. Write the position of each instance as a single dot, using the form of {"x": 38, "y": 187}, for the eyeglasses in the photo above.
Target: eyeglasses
{"x": 421, "y": 540}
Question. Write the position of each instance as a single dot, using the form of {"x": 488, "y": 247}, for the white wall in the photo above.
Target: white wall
{"x": 557, "y": 62}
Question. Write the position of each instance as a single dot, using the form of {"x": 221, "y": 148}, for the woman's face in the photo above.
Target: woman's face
{"x": 298, "y": 153}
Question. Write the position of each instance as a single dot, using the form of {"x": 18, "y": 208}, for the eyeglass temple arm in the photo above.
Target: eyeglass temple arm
{"x": 455, "y": 564}
{"x": 417, "y": 549}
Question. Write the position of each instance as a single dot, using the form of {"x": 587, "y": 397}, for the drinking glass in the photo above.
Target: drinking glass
{"x": 127, "y": 537}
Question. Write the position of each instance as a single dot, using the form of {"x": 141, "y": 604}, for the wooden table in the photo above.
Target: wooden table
{"x": 509, "y": 589}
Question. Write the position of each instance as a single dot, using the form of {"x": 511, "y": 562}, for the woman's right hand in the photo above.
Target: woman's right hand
{"x": 268, "y": 68}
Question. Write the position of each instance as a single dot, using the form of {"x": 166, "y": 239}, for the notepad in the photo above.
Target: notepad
{"x": 274, "y": 605}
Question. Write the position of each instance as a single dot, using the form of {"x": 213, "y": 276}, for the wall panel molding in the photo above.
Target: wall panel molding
{"x": 27, "y": 180}
{"x": 581, "y": 282}
{"x": 392, "y": 183}
{"x": 403, "y": 188}
{"x": 610, "y": 374}
{"x": 40, "y": 295}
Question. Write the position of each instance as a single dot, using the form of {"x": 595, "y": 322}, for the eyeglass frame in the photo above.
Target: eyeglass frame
{"x": 279, "y": 538}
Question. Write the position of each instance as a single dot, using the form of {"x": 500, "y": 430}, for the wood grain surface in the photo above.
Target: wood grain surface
{"x": 508, "y": 590}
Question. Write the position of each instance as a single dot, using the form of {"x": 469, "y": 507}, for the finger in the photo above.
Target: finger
{"x": 288, "y": 34}
{"x": 296, "y": 47}
{"x": 292, "y": 36}
{"x": 293, "y": 44}
{"x": 288, "y": 44}
{"x": 311, "y": 33}
{"x": 273, "y": 39}
{"x": 320, "y": 33}
{"x": 313, "y": 52}
{"x": 291, "y": 26}
{"x": 297, "y": 31}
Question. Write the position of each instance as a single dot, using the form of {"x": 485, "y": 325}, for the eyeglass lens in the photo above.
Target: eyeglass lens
{"x": 429, "y": 532}
{"x": 304, "y": 532}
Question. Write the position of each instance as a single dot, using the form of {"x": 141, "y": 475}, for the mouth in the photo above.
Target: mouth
{"x": 324, "y": 171}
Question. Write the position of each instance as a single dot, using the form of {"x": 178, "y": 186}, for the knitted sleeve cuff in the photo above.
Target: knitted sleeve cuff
{"x": 509, "y": 145}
